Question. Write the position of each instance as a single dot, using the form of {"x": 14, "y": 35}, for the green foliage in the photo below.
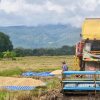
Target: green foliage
{"x": 5, "y": 43}
{"x": 9, "y": 54}
{"x": 21, "y": 52}
{"x": 65, "y": 50}
{"x": 1, "y": 55}
{"x": 3, "y": 95}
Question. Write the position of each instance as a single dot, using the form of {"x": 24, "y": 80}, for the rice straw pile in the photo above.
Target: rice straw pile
{"x": 57, "y": 72}
{"x": 11, "y": 81}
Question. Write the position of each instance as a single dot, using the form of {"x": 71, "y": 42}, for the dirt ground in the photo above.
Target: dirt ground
{"x": 56, "y": 95}
{"x": 77, "y": 97}
{"x": 81, "y": 97}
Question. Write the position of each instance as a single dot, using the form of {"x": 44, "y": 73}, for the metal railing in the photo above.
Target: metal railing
{"x": 81, "y": 81}
{"x": 81, "y": 75}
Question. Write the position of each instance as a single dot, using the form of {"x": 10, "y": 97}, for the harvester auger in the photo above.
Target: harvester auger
{"x": 87, "y": 80}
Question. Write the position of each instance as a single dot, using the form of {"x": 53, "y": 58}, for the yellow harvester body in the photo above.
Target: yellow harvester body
{"x": 91, "y": 29}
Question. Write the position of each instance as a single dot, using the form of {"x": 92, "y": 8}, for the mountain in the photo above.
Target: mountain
{"x": 47, "y": 36}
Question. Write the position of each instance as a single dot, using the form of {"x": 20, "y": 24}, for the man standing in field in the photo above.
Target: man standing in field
{"x": 64, "y": 66}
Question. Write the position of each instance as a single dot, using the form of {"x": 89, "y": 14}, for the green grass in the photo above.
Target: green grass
{"x": 11, "y": 72}
{"x": 3, "y": 95}
{"x": 53, "y": 83}
{"x": 46, "y": 69}
{"x": 18, "y": 95}
{"x": 18, "y": 71}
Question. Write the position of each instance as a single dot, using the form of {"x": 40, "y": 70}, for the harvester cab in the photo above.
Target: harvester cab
{"x": 88, "y": 53}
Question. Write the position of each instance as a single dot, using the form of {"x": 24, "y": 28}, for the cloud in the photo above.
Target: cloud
{"x": 54, "y": 7}
{"x": 34, "y": 12}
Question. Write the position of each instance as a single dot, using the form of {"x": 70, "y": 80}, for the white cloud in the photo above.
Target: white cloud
{"x": 19, "y": 6}
{"x": 34, "y": 12}
{"x": 8, "y": 6}
{"x": 54, "y": 7}
{"x": 89, "y": 5}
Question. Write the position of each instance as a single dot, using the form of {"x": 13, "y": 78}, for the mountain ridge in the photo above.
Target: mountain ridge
{"x": 46, "y": 36}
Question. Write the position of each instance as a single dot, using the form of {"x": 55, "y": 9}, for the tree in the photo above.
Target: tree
{"x": 5, "y": 43}
{"x": 9, "y": 54}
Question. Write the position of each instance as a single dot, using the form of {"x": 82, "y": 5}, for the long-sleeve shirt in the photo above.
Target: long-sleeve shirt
{"x": 64, "y": 67}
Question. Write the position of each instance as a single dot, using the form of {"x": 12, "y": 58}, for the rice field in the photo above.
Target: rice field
{"x": 14, "y": 68}
{"x": 38, "y": 63}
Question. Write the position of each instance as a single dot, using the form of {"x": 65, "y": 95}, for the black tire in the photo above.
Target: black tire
{"x": 82, "y": 66}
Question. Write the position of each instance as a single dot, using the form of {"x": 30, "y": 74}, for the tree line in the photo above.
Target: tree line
{"x": 64, "y": 50}
{"x": 7, "y": 50}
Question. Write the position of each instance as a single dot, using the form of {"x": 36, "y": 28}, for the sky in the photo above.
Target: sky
{"x": 42, "y": 12}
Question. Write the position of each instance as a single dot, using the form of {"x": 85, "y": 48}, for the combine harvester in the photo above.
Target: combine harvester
{"x": 87, "y": 80}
